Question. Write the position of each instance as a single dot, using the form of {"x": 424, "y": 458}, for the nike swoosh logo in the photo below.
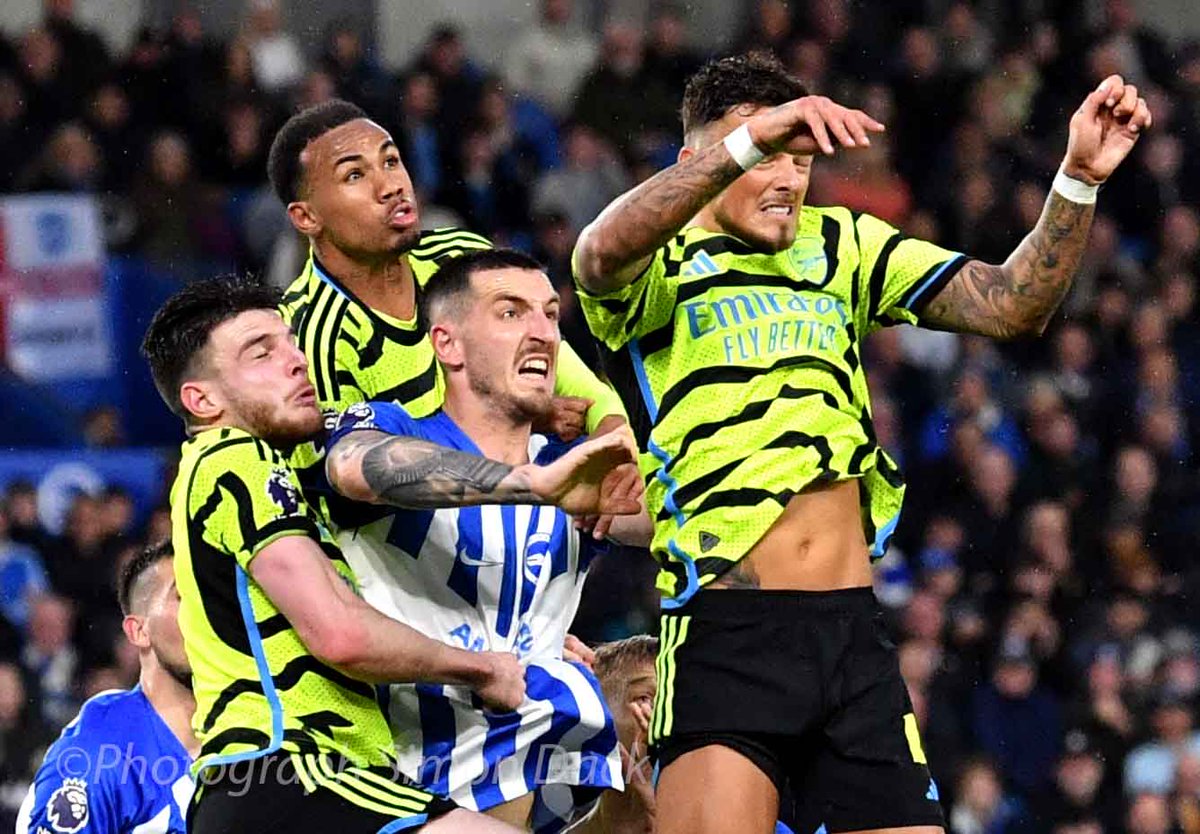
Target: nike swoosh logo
{"x": 477, "y": 563}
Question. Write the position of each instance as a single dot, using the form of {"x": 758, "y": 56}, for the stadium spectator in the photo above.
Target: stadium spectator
{"x": 277, "y": 57}
{"x": 22, "y": 577}
{"x": 1150, "y": 767}
{"x": 591, "y": 176}
{"x": 51, "y": 660}
{"x": 548, "y": 60}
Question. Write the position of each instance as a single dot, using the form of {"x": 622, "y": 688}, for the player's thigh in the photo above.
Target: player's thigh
{"x": 715, "y": 790}
{"x": 462, "y": 821}
{"x": 515, "y": 812}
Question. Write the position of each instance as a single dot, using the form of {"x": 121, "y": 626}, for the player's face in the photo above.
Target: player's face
{"x": 356, "y": 193}
{"x": 162, "y": 623}
{"x": 260, "y": 379}
{"x": 510, "y": 340}
{"x": 638, "y": 690}
{"x": 762, "y": 206}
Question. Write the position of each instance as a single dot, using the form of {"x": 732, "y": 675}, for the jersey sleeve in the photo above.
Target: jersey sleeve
{"x": 646, "y": 303}
{"x": 899, "y": 275}
{"x": 575, "y": 379}
{"x": 71, "y": 793}
{"x": 389, "y": 418}
{"x": 242, "y": 498}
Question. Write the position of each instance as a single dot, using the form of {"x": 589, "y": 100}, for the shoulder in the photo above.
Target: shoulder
{"x": 448, "y": 241}
{"x": 824, "y": 220}
{"x": 104, "y": 718}
{"x": 227, "y": 447}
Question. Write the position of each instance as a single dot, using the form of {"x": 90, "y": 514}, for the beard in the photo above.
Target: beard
{"x": 181, "y": 673}
{"x": 261, "y": 420}
{"x": 531, "y": 408}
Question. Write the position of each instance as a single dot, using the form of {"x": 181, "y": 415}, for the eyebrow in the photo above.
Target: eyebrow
{"x": 249, "y": 343}
{"x": 357, "y": 157}
{"x": 520, "y": 299}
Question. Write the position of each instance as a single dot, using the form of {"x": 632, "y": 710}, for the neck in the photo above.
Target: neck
{"x": 385, "y": 283}
{"x": 173, "y": 702}
{"x": 497, "y": 434}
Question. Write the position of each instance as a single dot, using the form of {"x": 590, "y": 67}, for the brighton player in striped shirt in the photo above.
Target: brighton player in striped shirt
{"x": 500, "y": 578}
{"x": 354, "y": 306}
{"x": 737, "y": 312}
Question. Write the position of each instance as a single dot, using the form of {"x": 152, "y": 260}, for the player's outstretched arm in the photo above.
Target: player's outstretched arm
{"x": 403, "y": 471}
{"x": 1018, "y": 297}
{"x": 618, "y": 244}
{"x": 343, "y": 631}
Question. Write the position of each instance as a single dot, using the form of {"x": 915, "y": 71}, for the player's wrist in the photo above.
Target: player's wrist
{"x": 1078, "y": 173}
{"x": 472, "y": 669}
{"x": 742, "y": 147}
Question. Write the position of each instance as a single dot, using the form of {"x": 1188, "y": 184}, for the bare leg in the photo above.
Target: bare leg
{"x": 715, "y": 790}
{"x": 462, "y": 821}
{"x": 515, "y": 813}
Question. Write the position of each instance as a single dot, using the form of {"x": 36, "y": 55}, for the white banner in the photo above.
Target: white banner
{"x": 50, "y": 231}
{"x": 58, "y": 338}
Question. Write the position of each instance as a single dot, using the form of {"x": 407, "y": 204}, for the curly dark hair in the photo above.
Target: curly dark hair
{"x": 283, "y": 162}
{"x": 724, "y": 83}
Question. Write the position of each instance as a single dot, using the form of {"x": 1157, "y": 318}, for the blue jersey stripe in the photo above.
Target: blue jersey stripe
{"x": 437, "y": 737}
{"x": 501, "y": 743}
{"x": 463, "y": 578}
{"x": 513, "y": 564}
{"x": 540, "y": 685}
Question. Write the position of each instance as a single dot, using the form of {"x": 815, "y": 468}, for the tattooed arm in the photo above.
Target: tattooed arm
{"x": 616, "y": 247}
{"x": 380, "y": 468}
{"x": 1019, "y": 297}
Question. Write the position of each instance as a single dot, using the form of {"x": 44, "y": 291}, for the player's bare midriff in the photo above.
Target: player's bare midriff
{"x": 817, "y": 544}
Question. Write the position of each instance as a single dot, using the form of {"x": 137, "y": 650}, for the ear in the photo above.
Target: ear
{"x": 685, "y": 153}
{"x": 202, "y": 400}
{"x": 304, "y": 219}
{"x": 446, "y": 346}
{"x": 135, "y": 631}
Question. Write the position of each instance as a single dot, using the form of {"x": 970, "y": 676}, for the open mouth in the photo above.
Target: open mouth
{"x": 402, "y": 216}
{"x": 534, "y": 366}
{"x": 779, "y": 209}
{"x": 306, "y": 396}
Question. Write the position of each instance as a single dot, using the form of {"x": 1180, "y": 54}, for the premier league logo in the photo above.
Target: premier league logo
{"x": 361, "y": 415}
{"x": 67, "y": 809}
{"x": 283, "y": 492}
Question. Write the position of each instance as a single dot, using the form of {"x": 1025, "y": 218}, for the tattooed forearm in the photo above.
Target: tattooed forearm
{"x": 407, "y": 472}
{"x": 613, "y": 250}
{"x": 741, "y": 576}
{"x": 1018, "y": 298}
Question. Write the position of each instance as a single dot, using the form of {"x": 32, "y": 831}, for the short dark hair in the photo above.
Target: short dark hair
{"x": 181, "y": 327}
{"x": 142, "y": 561}
{"x": 757, "y": 78}
{"x": 283, "y": 163}
{"x": 453, "y": 277}
{"x": 616, "y": 658}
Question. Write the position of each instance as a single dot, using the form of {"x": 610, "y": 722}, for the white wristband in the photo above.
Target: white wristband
{"x": 1075, "y": 190}
{"x": 742, "y": 148}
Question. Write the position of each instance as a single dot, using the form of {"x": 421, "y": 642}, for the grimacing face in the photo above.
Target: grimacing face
{"x": 762, "y": 206}
{"x": 508, "y": 340}
{"x": 257, "y": 378}
{"x": 356, "y": 193}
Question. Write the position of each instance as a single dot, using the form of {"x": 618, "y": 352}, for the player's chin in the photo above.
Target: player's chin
{"x": 771, "y": 234}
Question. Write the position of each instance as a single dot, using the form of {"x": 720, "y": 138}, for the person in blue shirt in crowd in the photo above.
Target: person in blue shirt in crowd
{"x": 124, "y": 764}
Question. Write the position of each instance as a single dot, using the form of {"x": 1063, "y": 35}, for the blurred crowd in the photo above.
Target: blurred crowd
{"x": 1042, "y": 576}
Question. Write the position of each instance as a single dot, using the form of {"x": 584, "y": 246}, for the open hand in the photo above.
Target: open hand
{"x": 589, "y": 479}
{"x": 810, "y": 124}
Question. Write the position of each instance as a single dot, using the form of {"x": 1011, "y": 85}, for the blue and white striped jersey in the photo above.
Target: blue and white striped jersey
{"x": 116, "y": 769}
{"x": 489, "y": 578}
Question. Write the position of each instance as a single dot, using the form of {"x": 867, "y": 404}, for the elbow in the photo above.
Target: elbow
{"x": 592, "y": 261}
{"x": 337, "y": 642}
{"x": 345, "y": 476}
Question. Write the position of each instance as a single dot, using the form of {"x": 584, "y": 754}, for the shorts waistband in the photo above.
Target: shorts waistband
{"x": 740, "y": 601}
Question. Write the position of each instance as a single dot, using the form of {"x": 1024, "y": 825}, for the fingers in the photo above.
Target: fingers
{"x": 816, "y": 125}
{"x": 602, "y": 526}
{"x": 1103, "y": 96}
{"x": 1141, "y": 119}
{"x": 1127, "y": 102}
{"x": 579, "y": 405}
